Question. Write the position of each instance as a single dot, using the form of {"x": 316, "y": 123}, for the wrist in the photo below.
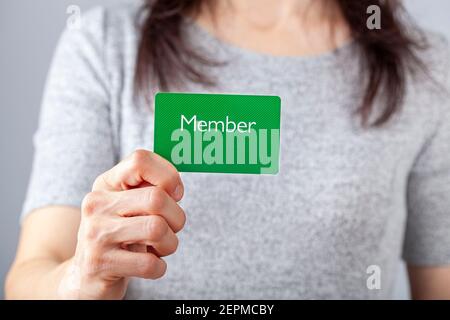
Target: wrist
{"x": 70, "y": 284}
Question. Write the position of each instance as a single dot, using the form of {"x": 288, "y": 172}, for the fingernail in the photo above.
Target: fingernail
{"x": 178, "y": 192}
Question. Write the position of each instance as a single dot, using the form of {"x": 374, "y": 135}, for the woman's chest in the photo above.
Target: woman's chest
{"x": 322, "y": 146}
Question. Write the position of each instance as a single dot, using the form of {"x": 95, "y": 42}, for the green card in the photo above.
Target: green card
{"x": 220, "y": 133}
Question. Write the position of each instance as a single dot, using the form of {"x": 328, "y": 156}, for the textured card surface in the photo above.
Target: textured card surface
{"x": 221, "y": 133}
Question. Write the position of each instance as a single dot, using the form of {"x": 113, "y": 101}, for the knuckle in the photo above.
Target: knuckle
{"x": 148, "y": 267}
{"x": 157, "y": 199}
{"x": 91, "y": 231}
{"x": 156, "y": 227}
{"x": 138, "y": 157}
{"x": 181, "y": 221}
{"x": 173, "y": 176}
{"x": 98, "y": 181}
{"x": 174, "y": 246}
{"x": 163, "y": 272}
{"x": 96, "y": 233}
{"x": 92, "y": 202}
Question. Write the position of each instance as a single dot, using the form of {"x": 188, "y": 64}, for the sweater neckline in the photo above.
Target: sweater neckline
{"x": 221, "y": 48}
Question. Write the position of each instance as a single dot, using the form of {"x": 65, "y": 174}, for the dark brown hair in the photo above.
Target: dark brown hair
{"x": 389, "y": 54}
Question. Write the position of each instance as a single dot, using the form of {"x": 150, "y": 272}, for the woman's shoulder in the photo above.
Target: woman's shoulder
{"x": 431, "y": 79}
{"x": 107, "y": 38}
{"x": 436, "y": 55}
{"x": 437, "y": 42}
{"x": 115, "y": 20}
{"x": 432, "y": 87}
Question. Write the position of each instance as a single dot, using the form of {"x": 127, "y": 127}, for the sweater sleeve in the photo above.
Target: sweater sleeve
{"x": 74, "y": 141}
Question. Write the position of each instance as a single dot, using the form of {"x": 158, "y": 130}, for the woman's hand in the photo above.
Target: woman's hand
{"x": 128, "y": 223}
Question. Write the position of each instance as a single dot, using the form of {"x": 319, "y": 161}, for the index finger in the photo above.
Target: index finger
{"x": 142, "y": 167}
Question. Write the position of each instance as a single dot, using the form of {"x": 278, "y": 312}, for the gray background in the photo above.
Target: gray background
{"x": 29, "y": 30}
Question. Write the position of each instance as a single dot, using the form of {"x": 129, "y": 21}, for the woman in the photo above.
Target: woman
{"x": 365, "y": 171}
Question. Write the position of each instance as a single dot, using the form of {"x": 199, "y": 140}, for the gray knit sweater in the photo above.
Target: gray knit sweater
{"x": 346, "y": 198}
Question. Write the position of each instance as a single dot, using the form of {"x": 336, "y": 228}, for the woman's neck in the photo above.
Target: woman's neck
{"x": 288, "y": 27}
